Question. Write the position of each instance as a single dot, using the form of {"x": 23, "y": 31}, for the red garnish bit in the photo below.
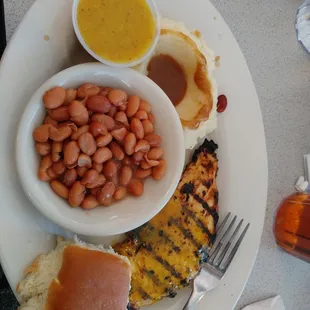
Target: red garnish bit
{"x": 221, "y": 103}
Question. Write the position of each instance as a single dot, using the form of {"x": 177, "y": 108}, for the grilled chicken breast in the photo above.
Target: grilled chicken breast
{"x": 166, "y": 253}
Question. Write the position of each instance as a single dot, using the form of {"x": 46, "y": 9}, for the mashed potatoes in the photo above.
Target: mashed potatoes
{"x": 196, "y": 102}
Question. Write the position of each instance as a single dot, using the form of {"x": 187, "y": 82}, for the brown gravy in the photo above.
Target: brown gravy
{"x": 169, "y": 76}
{"x": 85, "y": 280}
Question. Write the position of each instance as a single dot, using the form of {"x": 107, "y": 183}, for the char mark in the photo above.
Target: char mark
{"x": 144, "y": 295}
{"x": 207, "y": 146}
{"x": 216, "y": 197}
{"x": 162, "y": 234}
{"x": 186, "y": 233}
{"x": 163, "y": 262}
{"x": 188, "y": 188}
{"x": 153, "y": 276}
{"x": 171, "y": 292}
{"x": 213, "y": 213}
{"x": 208, "y": 183}
{"x": 198, "y": 222}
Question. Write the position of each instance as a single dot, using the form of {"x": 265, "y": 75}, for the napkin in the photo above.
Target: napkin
{"x": 275, "y": 303}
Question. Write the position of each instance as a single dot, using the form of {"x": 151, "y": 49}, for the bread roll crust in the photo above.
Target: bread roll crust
{"x": 76, "y": 275}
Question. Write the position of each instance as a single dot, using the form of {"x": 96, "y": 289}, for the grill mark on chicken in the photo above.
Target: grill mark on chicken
{"x": 186, "y": 232}
{"x": 168, "y": 267}
{"x": 206, "y": 206}
{"x": 152, "y": 275}
{"x": 144, "y": 294}
{"x": 198, "y": 221}
{"x": 161, "y": 233}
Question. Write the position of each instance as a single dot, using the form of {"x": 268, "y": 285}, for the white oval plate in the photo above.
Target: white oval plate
{"x": 43, "y": 45}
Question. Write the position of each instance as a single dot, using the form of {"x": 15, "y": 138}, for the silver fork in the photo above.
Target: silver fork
{"x": 219, "y": 257}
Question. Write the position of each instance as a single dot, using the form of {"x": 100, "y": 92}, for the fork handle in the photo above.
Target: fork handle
{"x": 209, "y": 283}
{"x": 193, "y": 300}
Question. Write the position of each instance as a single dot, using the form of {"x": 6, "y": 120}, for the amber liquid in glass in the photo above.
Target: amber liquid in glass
{"x": 292, "y": 225}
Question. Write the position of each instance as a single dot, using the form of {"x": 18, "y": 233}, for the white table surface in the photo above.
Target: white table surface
{"x": 280, "y": 69}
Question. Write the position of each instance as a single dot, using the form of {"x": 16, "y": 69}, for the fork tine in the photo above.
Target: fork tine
{"x": 233, "y": 252}
{"x": 220, "y": 228}
{"x": 217, "y": 246}
{"x": 208, "y": 248}
{"x": 219, "y": 260}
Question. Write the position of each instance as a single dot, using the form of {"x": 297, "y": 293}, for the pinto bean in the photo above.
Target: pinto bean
{"x": 110, "y": 169}
{"x": 107, "y": 120}
{"x": 71, "y": 153}
{"x": 143, "y": 173}
{"x": 89, "y": 177}
{"x": 142, "y": 146}
{"x": 102, "y": 155}
{"x": 155, "y": 153}
{"x": 117, "y": 150}
{"x": 60, "y": 134}
{"x": 121, "y": 117}
{"x": 104, "y": 140}
{"x": 147, "y": 126}
{"x": 106, "y": 192}
{"x": 81, "y": 171}
{"x": 136, "y": 187}
{"x": 60, "y": 189}
{"x": 137, "y": 128}
{"x": 133, "y": 106}
{"x": 59, "y": 168}
{"x": 84, "y": 161}
{"x": 41, "y": 134}
{"x": 43, "y": 148}
{"x": 87, "y": 90}
{"x": 120, "y": 193}
{"x": 78, "y": 113}
{"x": 76, "y": 194}
{"x": 117, "y": 97}
{"x": 57, "y": 148}
{"x": 119, "y": 134}
{"x": 70, "y": 177}
{"x": 144, "y": 106}
{"x": 71, "y": 95}
{"x": 46, "y": 163}
{"x": 54, "y": 98}
{"x": 98, "y": 104}
{"x": 49, "y": 121}
{"x": 153, "y": 139}
{"x": 141, "y": 115}
{"x": 125, "y": 175}
{"x": 60, "y": 114}
{"x": 159, "y": 171}
{"x": 130, "y": 142}
{"x": 90, "y": 202}
{"x": 97, "y": 129}
{"x": 100, "y": 181}
{"x": 87, "y": 143}
{"x": 97, "y": 167}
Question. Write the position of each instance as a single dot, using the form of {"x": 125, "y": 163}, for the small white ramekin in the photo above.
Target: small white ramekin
{"x": 156, "y": 16}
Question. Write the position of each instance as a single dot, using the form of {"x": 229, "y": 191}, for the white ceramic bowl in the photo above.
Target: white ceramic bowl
{"x": 131, "y": 212}
{"x": 156, "y": 16}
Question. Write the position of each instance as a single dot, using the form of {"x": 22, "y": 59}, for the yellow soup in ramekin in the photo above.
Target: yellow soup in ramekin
{"x": 119, "y": 31}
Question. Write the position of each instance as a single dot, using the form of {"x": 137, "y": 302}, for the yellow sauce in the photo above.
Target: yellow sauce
{"x": 119, "y": 31}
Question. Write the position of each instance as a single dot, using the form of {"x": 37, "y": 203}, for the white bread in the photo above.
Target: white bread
{"x": 34, "y": 288}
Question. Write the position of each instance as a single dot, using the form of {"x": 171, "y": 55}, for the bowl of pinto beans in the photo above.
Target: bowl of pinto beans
{"x": 99, "y": 150}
